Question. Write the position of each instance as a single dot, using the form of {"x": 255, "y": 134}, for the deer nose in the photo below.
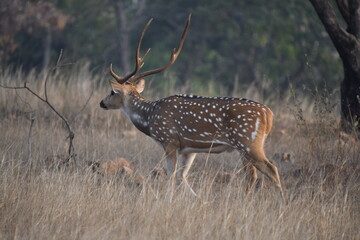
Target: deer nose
{"x": 102, "y": 105}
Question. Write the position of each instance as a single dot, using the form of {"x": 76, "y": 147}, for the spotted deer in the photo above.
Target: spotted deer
{"x": 187, "y": 124}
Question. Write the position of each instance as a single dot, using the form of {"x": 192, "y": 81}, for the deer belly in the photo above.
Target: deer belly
{"x": 206, "y": 148}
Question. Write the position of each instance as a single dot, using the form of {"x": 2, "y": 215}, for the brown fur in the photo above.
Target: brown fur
{"x": 116, "y": 166}
{"x": 185, "y": 124}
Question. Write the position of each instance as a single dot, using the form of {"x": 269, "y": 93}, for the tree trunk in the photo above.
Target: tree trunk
{"x": 347, "y": 43}
{"x": 123, "y": 33}
{"x": 47, "y": 50}
{"x": 350, "y": 98}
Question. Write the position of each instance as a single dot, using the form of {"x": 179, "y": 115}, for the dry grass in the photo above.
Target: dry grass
{"x": 69, "y": 202}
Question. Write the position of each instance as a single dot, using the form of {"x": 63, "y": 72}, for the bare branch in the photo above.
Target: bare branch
{"x": 339, "y": 36}
{"x": 46, "y": 100}
{"x": 8, "y": 87}
{"x": 52, "y": 70}
{"x": 343, "y": 6}
{"x": 29, "y": 142}
{"x": 83, "y": 107}
{"x": 27, "y": 88}
{"x": 354, "y": 10}
{"x": 59, "y": 58}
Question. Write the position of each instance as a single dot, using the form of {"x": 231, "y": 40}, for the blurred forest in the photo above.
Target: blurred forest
{"x": 267, "y": 44}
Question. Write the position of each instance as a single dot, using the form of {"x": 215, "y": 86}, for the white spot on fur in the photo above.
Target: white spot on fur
{"x": 254, "y": 133}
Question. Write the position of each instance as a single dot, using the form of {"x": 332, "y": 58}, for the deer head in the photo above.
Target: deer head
{"x": 118, "y": 96}
{"x": 133, "y": 84}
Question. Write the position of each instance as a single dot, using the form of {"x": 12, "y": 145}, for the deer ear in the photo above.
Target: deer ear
{"x": 140, "y": 85}
{"x": 115, "y": 86}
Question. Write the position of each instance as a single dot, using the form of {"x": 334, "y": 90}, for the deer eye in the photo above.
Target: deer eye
{"x": 113, "y": 92}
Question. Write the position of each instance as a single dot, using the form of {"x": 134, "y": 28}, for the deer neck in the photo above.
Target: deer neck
{"x": 137, "y": 108}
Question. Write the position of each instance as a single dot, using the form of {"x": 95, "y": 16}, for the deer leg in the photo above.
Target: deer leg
{"x": 260, "y": 161}
{"x": 186, "y": 162}
{"x": 171, "y": 165}
{"x": 251, "y": 176}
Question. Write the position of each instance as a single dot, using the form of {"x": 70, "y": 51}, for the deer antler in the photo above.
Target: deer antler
{"x": 175, "y": 53}
{"x": 131, "y": 78}
{"x": 139, "y": 60}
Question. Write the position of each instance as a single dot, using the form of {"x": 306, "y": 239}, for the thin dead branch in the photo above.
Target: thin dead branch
{"x": 71, "y": 134}
{"x": 83, "y": 107}
{"x": 29, "y": 141}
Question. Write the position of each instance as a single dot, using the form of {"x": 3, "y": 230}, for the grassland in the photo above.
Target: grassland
{"x": 40, "y": 201}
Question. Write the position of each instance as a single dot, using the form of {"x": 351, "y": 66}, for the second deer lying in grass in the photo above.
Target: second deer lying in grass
{"x": 117, "y": 166}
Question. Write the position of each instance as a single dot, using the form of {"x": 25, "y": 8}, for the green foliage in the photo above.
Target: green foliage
{"x": 256, "y": 40}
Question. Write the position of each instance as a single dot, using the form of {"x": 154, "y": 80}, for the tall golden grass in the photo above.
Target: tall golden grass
{"x": 38, "y": 201}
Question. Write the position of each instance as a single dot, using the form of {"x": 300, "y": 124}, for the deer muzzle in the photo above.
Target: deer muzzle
{"x": 102, "y": 105}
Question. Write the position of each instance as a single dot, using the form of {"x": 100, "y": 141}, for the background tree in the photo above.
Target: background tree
{"x": 347, "y": 43}
{"x": 27, "y": 29}
{"x": 128, "y": 17}
{"x": 265, "y": 44}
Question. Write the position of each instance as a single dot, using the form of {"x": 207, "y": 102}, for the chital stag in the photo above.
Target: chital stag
{"x": 187, "y": 124}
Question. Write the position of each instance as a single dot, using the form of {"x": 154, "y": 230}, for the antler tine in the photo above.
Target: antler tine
{"x": 117, "y": 77}
{"x": 183, "y": 36}
{"x": 139, "y": 60}
{"x": 175, "y": 53}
